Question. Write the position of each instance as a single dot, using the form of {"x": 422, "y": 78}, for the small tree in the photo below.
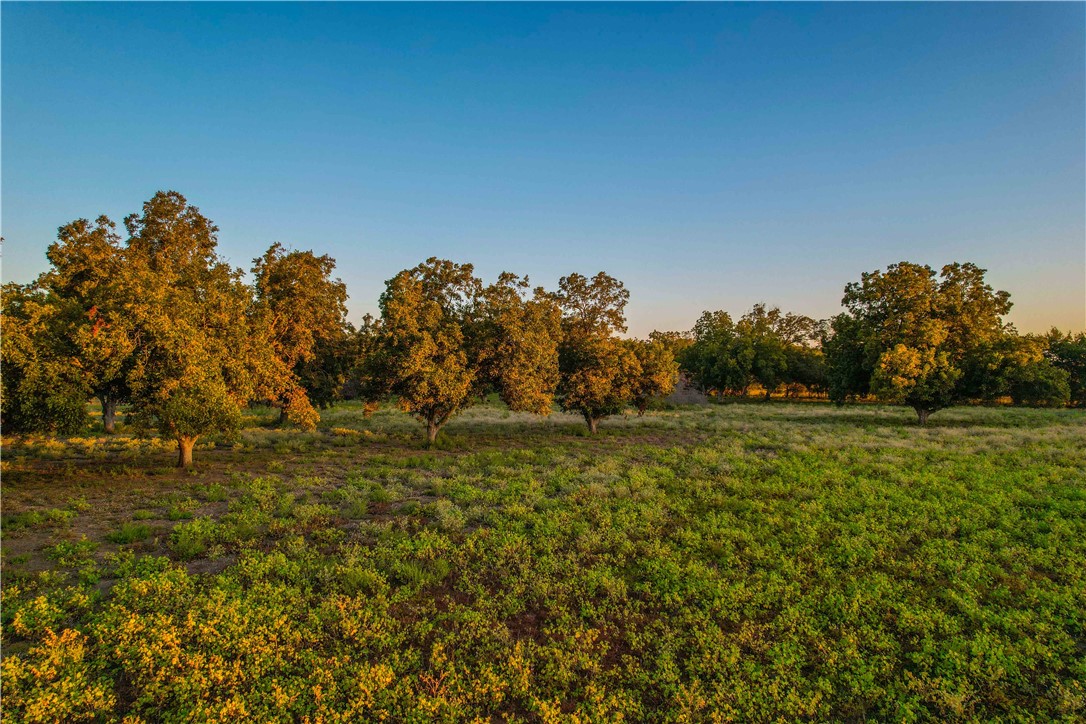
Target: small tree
{"x": 657, "y": 375}
{"x": 908, "y": 335}
{"x": 417, "y": 351}
{"x": 598, "y": 378}
{"x": 596, "y": 371}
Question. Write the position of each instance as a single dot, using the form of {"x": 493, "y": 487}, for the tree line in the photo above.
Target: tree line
{"x": 160, "y": 323}
{"x": 909, "y": 335}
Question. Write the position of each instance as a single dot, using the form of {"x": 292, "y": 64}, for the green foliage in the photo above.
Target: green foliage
{"x": 767, "y": 347}
{"x": 597, "y": 371}
{"x": 73, "y": 553}
{"x": 1068, "y": 353}
{"x": 130, "y": 533}
{"x": 42, "y": 390}
{"x": 192, "y": 539}
{"x": 53, "y": 517}
{"x": 785, "y": 562}
{"x": 1039, "y": 384}
{"x": 767, "y": 562}
{"x": 910, "y": 337}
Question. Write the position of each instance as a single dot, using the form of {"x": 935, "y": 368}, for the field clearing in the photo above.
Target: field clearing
{"x": 749, "y": 562}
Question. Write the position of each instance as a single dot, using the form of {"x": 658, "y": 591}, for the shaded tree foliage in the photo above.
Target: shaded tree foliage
{"x": 42, "y": 390}
{"x": 657, "y": 372}
{"x": 766, "y": 346}
{"x": 1068, "y": 353}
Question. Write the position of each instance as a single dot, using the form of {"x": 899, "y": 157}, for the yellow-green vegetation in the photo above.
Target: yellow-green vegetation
{"x": 750, "y": 562}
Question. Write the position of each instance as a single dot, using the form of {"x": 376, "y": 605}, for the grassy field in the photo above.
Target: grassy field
{"x": 753, "y": 562}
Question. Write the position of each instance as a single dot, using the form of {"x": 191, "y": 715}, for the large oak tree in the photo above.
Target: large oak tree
{"x": 909, "y": 334}
{"x": 203, "y": 349}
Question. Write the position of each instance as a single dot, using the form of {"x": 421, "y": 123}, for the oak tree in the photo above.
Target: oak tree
{"x": 596, "y": 371}
{"x": 417, "y": 350}
{"x": 203, "y": 351}
{"x": 909, "y": 333}
{"x": 305, "y": 311}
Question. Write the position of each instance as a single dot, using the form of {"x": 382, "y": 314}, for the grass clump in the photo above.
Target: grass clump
{"x": 130, "y": 533}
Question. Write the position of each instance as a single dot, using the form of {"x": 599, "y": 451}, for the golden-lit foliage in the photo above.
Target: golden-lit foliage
{"x": 203, "y": 353}
{"x": 304, "y": 311}
{"x": 417, "y": 351}
{"x": 597, "y": 371}
{"x": 87, "y": 283}
{"x": 515, "y": 342}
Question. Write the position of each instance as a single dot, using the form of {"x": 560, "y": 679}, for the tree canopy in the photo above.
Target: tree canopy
{"x": 159, "y": 323}
{"x": 909, "y": 334}
{"x": 203, "y": 353}
{"x": 305, "y": 312}
{"x": 597, "y": 371}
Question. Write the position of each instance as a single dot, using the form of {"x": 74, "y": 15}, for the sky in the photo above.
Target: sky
{"x": 709, "y": 156}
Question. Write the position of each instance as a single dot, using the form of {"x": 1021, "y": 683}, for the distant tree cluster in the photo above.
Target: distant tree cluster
{"x": 445, "y": 340}
{"x": 909, "y": 336}
{"x": 160, "y": 323}
{"x": 766, "y": 347}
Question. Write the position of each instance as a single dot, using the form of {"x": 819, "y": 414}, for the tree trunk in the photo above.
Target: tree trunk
{"x": 109, "y": 414}
{"x": 184, "y": 451}
{"x": 431, "y": 431}
{"x": 593, "y": 424}
{"x": 283, "y": 415}
{"x": 768, "y": 392}
{"x": 923, "y": 415}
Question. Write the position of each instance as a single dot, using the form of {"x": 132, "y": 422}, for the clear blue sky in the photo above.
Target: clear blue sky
{"x": 710, "y": 156}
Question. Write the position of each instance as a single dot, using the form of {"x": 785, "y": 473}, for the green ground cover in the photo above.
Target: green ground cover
{"x": 751, "y": 562}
